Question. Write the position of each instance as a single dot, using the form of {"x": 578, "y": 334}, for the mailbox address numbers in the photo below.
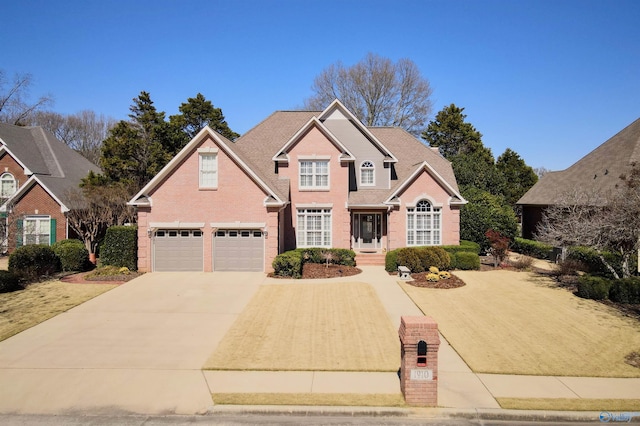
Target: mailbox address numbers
{"x": 422, "y": 374}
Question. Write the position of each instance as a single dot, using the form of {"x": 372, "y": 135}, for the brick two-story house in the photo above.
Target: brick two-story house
{"x": 37, "y": 173}
{"x": 297, "y": 179}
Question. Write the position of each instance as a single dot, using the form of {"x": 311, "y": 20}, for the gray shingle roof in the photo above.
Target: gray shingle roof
{"x": 599, "y": 170}
{"x": 57, "y": 166}
{"x": 258, "y": 146}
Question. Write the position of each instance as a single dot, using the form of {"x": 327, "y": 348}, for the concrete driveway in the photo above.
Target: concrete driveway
{"x": 138, "y": 348}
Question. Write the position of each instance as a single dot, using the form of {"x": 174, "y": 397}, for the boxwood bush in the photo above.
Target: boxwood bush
{"x": 532, "y": 248}
{"x": 592, "y": 287}
{"x": 8, "y": 282}
{"x": 288, "y": 264}
{"x": 31, "y": 262}
{"x": 73, "y": 255}
{"x": 417, "y": 259}
{"x": 465, "y": 260}
{"x": 120, "y": 247}
{"x": 464, "y": 246}
{"x": 626, "y": 290}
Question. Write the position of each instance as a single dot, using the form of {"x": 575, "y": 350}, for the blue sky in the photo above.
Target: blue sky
{"x": 550, "y": 79}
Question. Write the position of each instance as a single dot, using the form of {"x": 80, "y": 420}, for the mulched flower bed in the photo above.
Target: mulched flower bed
{"x": 420, "y": 280}
{"x": 320, "y": 270}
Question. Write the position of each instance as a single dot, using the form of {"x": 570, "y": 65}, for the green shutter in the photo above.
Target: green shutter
{"x": 19, "y": 225}
{"x": 52, "y": 231}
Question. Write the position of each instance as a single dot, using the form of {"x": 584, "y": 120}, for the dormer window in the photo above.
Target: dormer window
{"x": 7, "y": 185}
{"x": 367, "y": 174}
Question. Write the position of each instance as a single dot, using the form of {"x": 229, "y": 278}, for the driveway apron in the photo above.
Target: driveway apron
{"x": 137, "y": 348}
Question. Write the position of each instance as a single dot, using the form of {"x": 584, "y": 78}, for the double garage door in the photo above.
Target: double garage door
{"x": 183, "y": 250}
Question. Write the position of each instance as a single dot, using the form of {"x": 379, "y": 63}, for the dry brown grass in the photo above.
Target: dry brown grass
{"x": 334, "y": 399}
{"x": 569, "y": 404}
{"x": 508, "y": 322}
{"x": 21, "y": 310}
{"x": 314, "y": 327}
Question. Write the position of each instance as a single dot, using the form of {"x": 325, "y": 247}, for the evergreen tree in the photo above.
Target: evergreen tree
{"x": 517, "y": 174}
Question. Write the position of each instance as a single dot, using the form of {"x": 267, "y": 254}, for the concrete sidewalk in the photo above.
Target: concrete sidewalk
{"x": 139, "y": 349}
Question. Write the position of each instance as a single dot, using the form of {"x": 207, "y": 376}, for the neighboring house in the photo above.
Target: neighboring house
{"x": 37, "y": 171}
{"x": 297, "y": 179}
{"x": 597, "y": 172}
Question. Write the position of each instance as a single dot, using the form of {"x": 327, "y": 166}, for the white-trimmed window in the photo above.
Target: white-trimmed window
{"x": 424, "y": 225}
{"x": 314, "y": 174}
{"x": 7, "y": 185}
{"x": 314, "y": 228}
{"x": 208, "y": 170}
{"x": 36, "y": 230}
{"x": 367, "y": 174}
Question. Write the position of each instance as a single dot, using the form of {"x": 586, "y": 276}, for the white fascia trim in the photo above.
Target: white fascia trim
{"x": 424, "y": 196}
{"x": 426, "y": 167}
{"x": 313, "y": 157}
{"x": 314, "y": 206}
{"x": 184, "y": 152}
{"x": 28, "y": 185}
{"x": 238, "y": 225}
{"x": 26, "y": 170}
{"x": 336, "y": 103}
{"x": 176, "y": 225}
{"x": 313, "y": 122}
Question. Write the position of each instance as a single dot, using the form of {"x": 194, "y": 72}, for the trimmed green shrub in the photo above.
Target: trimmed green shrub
{"x": 344, "y": 257}
{"x": 532, "y": 248}
{"x": 433, "y": 256}
{"x": 120, "y": 247}
{"x": 464, "y": 246}
{"x": 73, "y": 255}
{"x": 592, "y": 287}
{"x": 626, "y": 290}
{"x": 465, "y": 260}
{"x": 31, "y": 262}
{"x": 391, "y": 261}
{"x": 590, "y": 258}
{"x": 409, "y": 257}
{"x": 288, "y": 264}
{"x": 8, "y": 282}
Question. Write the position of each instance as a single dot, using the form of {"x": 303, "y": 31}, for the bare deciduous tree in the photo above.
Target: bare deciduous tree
{"x": 15, "y": 107}
{"x": 95, "y": 208}
{"x": 600, "y": 221}
{"x": 83, "y": 131}
{"x": 377, "y": 91}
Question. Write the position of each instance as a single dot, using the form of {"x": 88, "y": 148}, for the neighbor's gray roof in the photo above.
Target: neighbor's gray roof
{"x": 56, "y": 165}
{"x": 599, "y": 171}
{"x": 258, "y": 146}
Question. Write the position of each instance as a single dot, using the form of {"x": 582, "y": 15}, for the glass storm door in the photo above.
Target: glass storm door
{"x": 368, "y": 230}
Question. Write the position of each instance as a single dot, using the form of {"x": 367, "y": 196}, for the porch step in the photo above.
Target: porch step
{"x": 370, "y": 259}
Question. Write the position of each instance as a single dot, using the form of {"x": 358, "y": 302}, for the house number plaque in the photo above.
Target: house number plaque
{"x": 421, "y": 375}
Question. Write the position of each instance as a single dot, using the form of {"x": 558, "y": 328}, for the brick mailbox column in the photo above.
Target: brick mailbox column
{"x": 419, "y": 340}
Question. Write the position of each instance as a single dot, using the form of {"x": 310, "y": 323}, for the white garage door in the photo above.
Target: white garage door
{"x": 178, "y": 250}
{"x": 238, "y": 250}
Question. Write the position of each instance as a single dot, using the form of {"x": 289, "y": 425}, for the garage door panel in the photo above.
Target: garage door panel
{"x": 238, "y": 250}
{"x": 178, "y": 250}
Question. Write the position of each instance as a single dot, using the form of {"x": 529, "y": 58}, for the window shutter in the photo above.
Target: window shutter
{"x": 19, "y": 225}
{"x": 52, "y": 231}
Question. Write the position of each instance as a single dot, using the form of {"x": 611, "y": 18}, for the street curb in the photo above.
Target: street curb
{"x": 426, "y": 413}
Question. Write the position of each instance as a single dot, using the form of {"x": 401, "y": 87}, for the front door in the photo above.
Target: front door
{"x": 367, "y": 230}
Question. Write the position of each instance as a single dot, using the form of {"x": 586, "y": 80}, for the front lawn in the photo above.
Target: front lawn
{"x": 20, "y": 310}
{"x": 310, "y": 326}
{"x": 508, "y": 322}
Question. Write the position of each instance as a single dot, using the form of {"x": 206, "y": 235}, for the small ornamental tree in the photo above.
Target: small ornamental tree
{"x": 499, "y": 246}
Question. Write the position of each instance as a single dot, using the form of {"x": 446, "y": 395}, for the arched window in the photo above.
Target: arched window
{"x": 424, "y": 225}
{"x": 7, "y": 185}
{"x": 367, "y": 174}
